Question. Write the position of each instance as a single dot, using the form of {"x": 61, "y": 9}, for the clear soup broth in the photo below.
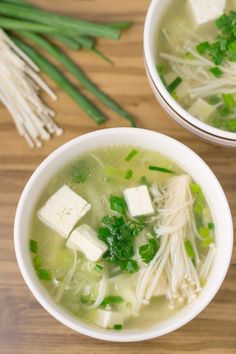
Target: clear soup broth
{"x": 149, "y": 243}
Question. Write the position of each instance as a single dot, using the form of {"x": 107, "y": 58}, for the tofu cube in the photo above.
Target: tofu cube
{"x": 138, "y": 201}
{"x": 85, "y": 239}
{"x": 161, "y": 286}
{"x": 206, "y": 11}
{"x": 63, "y": 210}
{"x": 107, "y": 318}
{"x": 201, "y": 110}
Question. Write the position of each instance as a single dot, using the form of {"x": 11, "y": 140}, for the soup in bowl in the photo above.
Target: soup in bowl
{"x": 190, "y": 62}
{"x": 118, "y": 234}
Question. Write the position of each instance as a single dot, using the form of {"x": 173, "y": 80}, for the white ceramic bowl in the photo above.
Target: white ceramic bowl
{"x": 185, "y": 157}
{"x": 152, "y": 24}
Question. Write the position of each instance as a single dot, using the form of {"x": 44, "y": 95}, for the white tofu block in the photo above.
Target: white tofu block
{"x": 204, "y": 11}
{"x": 138, "y": 201}
{"x": 161, "y": 286}
{"x": 85, "y": 239}
{"x": 63, "y": 210}
{"x": 201, "y": 110}
{"x": 107, "y": 319}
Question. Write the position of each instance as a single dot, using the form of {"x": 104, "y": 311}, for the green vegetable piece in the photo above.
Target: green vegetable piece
{"x": 173, "y": 86}
{"x": 44, "y": 274}
{"x": 224, "y": 111}
{"x": 195, "y": 188}
{"x": 98, "y": 267}
{"x": 216, "y": 71}
{"x": 33, "y": 246}
{"x": 160, "y": 169}
{"x": 213, "y": 100}
{"x": 131, "y": 155}
{"x": 189, "y": 249}
{"x": 230, "y": 125}
{"x": 128, "y": 174}
{"x": 232, "y": 51}
{"x": 204, "y": 232}
{"x": 202, "y": 47}
{"x": 118, "y": 204}
{"x": 111, "y": 300}
{"x": 229, "y": 100}
{"x": 117, "y": 327}
{"x": 207, "y": 242}
{"x": 198, "y": 209}
{"x": 148, "y": 251}
{"x": 86, "y": 299}
{"x": 211, "y": 226}
{"x": 129, "y": 266}
{"x": 37, "y": 262}
{"x": 80, "y": 172}
{"x": 143, "y": 180}
{"x": 121, "y": 25}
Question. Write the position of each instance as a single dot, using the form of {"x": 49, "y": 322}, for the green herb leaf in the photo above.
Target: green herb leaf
{"x": 128, "y": 174}
{"x": 111, "y": 300}
{"x": 117, "y": 327}
{"x": 160, "y": 169}
{"x": 202, "y": 47}
{"x": 148, "y": 251}
{"x": 44, "y": 274}
{"x": 129, "y": 266}
{"x": 189, "y": 249}
{"x": 216, "y": 71}
{"x": 33, "y": 246}
{"x": 80, "y": 172}
{"x": 118, "y": 204}
{"x": 131, "y": 155}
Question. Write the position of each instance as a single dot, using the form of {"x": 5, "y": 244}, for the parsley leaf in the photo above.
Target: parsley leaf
{"x": 118, "y": 204}
{"x": 148, "y": 251}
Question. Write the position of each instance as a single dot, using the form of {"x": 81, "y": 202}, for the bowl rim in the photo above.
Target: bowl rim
{"x": 164, "y": 95}
{"x": 55, "y": 310}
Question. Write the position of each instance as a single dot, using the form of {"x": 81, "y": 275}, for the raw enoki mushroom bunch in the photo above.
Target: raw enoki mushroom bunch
{"x": 19, "y": 92}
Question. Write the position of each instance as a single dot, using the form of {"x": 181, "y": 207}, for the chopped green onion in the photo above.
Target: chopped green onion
{"x": 86, "y": 300}
{"x": 224, "y": 111}
{"x": 204, "y": 232}
{"x": 195, "y": 188}
{"x": 211, "y": 226}
{"x": 131, "y": 154}
{"x": 160, "y": 169}
{"x": 173, "y": 86}
{"x": 229, "y": 100}
{"x": 44, "y": 274}
{"x": 230, "y": 125}
{"x": 207, "y": 242}
{"x": 37, "y": 262}
{"x": 117, "y": 327}
{"x": 111, "y": 300}
{"x": 143, "y": 180}
{"x": 198, "y": 209}
{"x": 216, "y": 71}
{"x": 98, "y": 267}
{"x": 128, "y": 174}
{"x": 33, "y": 246}
{"x": 189, "y": 249}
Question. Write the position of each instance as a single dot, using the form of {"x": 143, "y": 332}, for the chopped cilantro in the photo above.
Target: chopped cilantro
{"x": 148, "y": 251}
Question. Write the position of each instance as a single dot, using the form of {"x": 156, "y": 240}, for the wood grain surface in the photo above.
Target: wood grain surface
{"x": 25, "y": 327}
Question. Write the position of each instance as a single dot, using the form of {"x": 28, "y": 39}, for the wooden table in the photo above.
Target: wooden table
{"x": 25, "y": 327}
